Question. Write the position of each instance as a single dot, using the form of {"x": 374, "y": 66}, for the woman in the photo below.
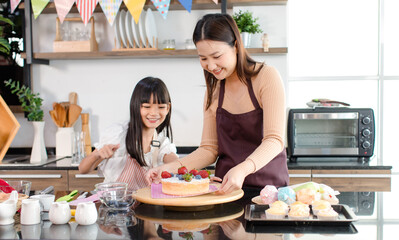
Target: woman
{"x": 244, "y": 112}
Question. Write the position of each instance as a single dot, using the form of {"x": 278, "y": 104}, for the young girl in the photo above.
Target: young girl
{"x": 126, "y": 151}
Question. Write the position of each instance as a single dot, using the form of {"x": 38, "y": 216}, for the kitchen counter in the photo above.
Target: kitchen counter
{"x": 65, "y": 163}
{"x": 376, "y": 221}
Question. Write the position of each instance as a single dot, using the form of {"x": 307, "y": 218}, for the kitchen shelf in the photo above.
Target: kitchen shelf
{"x": 175, "y": 5}
{"x": 139, "y": 54}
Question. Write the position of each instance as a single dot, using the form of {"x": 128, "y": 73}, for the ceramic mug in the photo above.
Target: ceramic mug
{"x": 46, "y": 200}
{"x": 60, "y": 212}
{"x": 86, "y": 213}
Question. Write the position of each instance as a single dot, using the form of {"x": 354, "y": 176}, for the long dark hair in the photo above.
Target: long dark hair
{"x": 222, "y": 27}
{"x": 142, "y": 93}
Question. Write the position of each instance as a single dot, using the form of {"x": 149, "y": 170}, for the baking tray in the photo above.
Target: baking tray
{"x": 256, "y": 213}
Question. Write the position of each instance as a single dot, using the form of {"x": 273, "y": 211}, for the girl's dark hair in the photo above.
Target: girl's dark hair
{"x": 222, "y": 27}
{"x": 142, "y": 94}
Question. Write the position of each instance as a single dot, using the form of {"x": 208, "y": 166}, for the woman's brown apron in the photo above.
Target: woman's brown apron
{"x": 238, "y": 136}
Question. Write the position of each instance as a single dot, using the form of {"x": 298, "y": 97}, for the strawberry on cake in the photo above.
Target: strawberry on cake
{"x": 184, "y": 182}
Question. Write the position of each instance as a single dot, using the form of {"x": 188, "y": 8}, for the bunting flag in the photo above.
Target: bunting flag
{"x": 63, "y": 7}
{"x": 86, "y": 9}
{"x": 14, "y": 4}
{"x": 110, "y": 9}
{"x": 215, "y": 1}
{"x": 38, "y": 6}
{"x": 187, "y": 4}
{"x": 135, "y": 8}
{"x": 162, "y": 6}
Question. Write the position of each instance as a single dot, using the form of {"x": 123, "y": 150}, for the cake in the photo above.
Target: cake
{"x": 287, "y": 195}
{"x": 268, "y": 194}
{"x": 320, "y": 205}
{"x": 299, "y": 212}
{"x": 276, "y": 213}
{"x": 280, "y": 204}
{"x": 185, "y": 184}
{"x": 327, "y": 214}
{"x": 307, "y": 196}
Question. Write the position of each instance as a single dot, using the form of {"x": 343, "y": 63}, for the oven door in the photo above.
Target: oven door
{"x": 325, "y": 134}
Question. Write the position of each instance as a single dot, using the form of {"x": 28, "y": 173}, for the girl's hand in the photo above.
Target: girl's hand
{"x": 107, "y": 151}
{"x": 154, "y": 174}
{"x": 232, "y": 181}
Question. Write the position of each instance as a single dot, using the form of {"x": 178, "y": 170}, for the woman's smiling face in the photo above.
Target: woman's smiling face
{"x": 218, "y": 58}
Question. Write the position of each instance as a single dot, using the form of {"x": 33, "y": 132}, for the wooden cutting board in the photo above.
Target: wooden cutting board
{"x": 144, "y": 195}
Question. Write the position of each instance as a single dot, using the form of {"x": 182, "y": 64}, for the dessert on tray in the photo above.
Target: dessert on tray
{"x": 184, "y": 182}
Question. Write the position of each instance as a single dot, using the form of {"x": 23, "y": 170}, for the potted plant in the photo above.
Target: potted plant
{"x": 247, "y": 25}
{"x": 31, "y": 104}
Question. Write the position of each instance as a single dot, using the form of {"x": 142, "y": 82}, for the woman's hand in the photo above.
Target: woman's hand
{"x": 107, "y": 151}
{"x": 232, "y": 181}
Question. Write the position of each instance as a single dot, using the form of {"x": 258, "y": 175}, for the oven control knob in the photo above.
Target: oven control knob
{"x": 366, "y": 205}
{"x": 366, "y": 144}
{"x": 366, "y": 132}
{"x": 366, "y": 120}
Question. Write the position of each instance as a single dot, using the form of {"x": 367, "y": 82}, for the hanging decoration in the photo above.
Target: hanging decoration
{"x": 187, "y": 4}
{"x": 14, "y": 4}
{"x": 215, "y": 1}
{"x": 135, "y": 8}
{"x": 162, "y": 6}
{"x": 38, "y": 6}
{"x": 110, "y": 9}
{"x": 63, "y": 7}
{"x": 86, "y": 9}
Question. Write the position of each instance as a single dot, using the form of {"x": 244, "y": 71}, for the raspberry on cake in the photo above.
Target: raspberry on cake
{"x": 186, "y": 184}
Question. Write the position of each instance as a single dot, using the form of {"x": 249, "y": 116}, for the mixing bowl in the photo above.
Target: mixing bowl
{"x": 111, "y": 191}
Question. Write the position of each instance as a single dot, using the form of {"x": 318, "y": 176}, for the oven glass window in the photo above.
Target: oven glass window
{"x": 326, "y": 133}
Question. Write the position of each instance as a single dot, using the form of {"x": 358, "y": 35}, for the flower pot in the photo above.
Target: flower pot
{"x": 38, "y": 149}
{"x": 246, "y": 39}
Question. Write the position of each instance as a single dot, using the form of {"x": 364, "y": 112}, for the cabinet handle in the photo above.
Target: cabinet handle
{"x": 32, "y": 176}
{"x": 87, "y": 176}
{"x": 300, "y": 175}
{"x": 351, "y": 175}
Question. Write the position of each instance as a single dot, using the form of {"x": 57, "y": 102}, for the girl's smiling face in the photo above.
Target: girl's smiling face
{"x": 218, "y": 58}
{"x": 153, "y": 114}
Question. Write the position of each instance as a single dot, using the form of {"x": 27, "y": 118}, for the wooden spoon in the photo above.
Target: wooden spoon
{"x": 73, "y": 115}
{"x": 61, "y": 114}
{"x": 53, "y": 115}
{"x": 73, "y": 98}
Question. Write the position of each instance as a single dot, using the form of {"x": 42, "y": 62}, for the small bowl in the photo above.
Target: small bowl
{"x": 118, "y": 199}
{"x": 21, "y": 186}
{"x": 111, "y": 191}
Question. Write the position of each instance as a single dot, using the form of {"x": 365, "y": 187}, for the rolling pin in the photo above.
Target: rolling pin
{"x": 86, "y": 130}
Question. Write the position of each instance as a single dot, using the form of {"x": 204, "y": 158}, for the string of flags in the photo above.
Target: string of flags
{"x": 110, "y": 7}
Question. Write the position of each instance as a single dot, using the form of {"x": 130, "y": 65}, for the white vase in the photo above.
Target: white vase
{"x": 246, "y": 39}
{"x": 38, "y": 149}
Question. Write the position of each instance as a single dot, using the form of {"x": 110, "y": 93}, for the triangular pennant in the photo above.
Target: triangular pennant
{"x": 215, "y": 1}
{"x": 38, "y": 6}
{"x": 162, "y": 6}
{"x": 86, "y": 9}
{"x": 187, "y": 4}
{"x": 14, "y": 4}
{"x": 63, "y": 7}
{"x": 110, "y": 9}
{"x": 135, "y": 8}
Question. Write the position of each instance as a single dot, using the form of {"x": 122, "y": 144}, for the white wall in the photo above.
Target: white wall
{"x": 105, "y": 86}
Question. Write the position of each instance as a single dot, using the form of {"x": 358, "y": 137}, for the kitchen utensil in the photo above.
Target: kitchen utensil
{"x": 47, "y": 190}
{"x": 86, "y": 213}
{"x": 30, "y": 212}
{"x": 151, "y": 29}
{"x": 60, "y": 212}
{"x": 61, "y": 114}
{"x": 78, "y": 148}
{"x": 68, "y": 197}
{"x": 73, "y": 114}
{"x": 141, "y": 24}
{"x": 118, "y": 199}
{"x": 116, "y": 31}
{"x": 53, "y": 115}
{"x": 122, "y": 29}
{"x": 82, "y": 196}
{"x": 144, "y": 195}
{"x": 63, "y": 141}
{"x": 73, "y": 98}
{"x": 86, "y": 130}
